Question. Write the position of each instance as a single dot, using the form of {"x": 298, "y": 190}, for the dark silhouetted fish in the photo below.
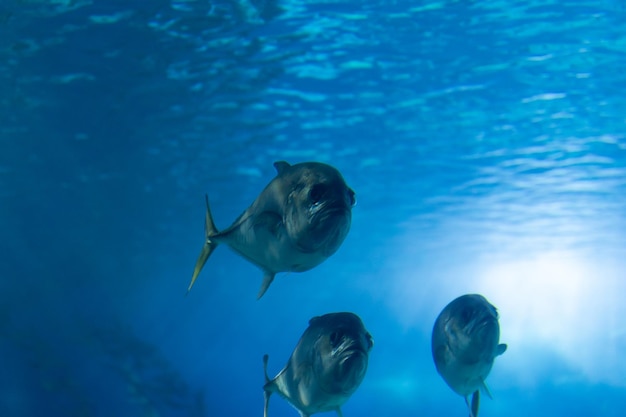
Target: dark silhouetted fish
{"x": 325, "y": 368}
{"x": 465, "y": 343}
{"x": 299, "y": 219}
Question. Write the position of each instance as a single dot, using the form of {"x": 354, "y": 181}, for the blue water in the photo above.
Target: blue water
{"x": 485, "y": 140}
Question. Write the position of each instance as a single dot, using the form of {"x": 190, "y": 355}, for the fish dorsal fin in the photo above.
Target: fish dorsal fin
{"x": 267, "y": 280}
{"x": 486, "y": 389}
{"x": 500, "y": 349}
{"x": 314, "y": 320}
{"x": 281, "y": 166}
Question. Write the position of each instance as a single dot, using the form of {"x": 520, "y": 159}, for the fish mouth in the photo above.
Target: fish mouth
{"x": 327, "y": 211}
{"x": 486, "y": 322}
{"x": 348, "y": 351}
{"x": 348, "y": 348}
{"x": 347, "y": 356}
{"x": 350, "y": 369}
{"x": 482, "y": 336}
{"x": 328, "y": 226}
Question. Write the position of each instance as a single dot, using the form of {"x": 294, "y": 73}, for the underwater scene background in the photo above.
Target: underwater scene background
{"x": 485, "y": 141}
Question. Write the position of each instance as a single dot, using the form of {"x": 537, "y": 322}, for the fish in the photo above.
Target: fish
{"x": 299, "y": 220}
{"x": 326, "y": 367}
{"x": 464, "y": 344}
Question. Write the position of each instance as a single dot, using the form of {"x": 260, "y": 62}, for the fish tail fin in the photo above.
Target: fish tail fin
{"x": 209, "y": 226}
{"x": 266, "y": 358}
{"x": 209, "y": 245}
{"x": 266, "y": 405}
{"x": 266, "y": 388}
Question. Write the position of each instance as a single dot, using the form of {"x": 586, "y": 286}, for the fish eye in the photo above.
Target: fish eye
{"x": 316, "y": 193}
{"x": 335, "y": 338}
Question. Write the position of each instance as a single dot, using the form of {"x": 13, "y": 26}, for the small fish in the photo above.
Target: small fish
{"x": 464, "y": 344}
{"x": 325, "y": 368}
{"x": 300, "y": 219}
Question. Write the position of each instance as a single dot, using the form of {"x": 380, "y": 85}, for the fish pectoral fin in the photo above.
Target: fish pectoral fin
{"x": 500, "y": 349}
{"x": 267, "y": 280}
{"x": 485, "y": 388}
{"x": 339, "y": 413}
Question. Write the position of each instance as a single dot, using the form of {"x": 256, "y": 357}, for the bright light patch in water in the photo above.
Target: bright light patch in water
{"x": 561, "y": 311}
{"x": 561, "y": 305}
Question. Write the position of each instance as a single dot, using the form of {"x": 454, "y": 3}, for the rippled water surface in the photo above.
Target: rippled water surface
{"x": 485, "y": 140}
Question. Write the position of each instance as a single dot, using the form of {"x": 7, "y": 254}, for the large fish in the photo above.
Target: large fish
{"x": 465, "y": 342}
{"x": 299, "y": 219}
{"x": 325, "y": 368}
